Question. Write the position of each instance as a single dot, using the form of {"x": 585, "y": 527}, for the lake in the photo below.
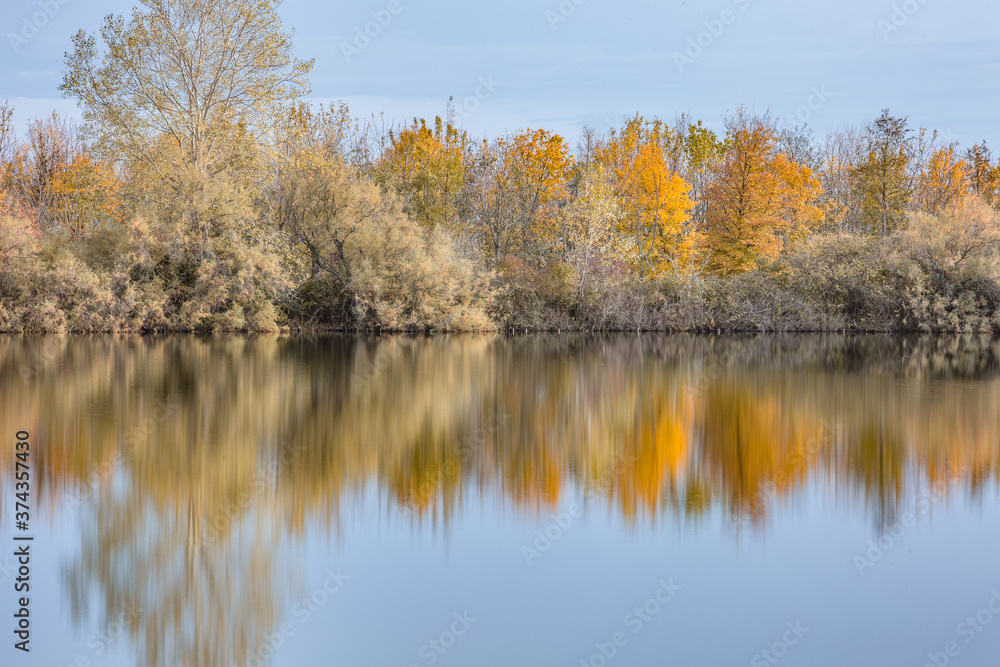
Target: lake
{"x": 541, "y": 500}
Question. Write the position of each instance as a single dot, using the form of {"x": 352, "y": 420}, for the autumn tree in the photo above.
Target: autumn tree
{"x": 798, "y": 144}
{"x": 369, "y": 258}
{"x": 590, "y": 220}
{"x": 322, "y": 205}
{"x": 184, "y": 69}
{"x": 657, "y": 214}
{"x": 588, "y": 146}
{"x": 943, "y": 181}
{"x": 984, "y": 176}
{"x": 882, "y": 176}
{"x": 8, "y": 143}
{"x": 303, "y": 132}
{"x": 8, "y": 149}
{"x": 701, "y": 157}
{"x": 654, "y": 206}
{"x": 54, "y": 175}
{"x": 513, "y": 185}
{"x": 760, "y": 199}
{"x": 426, "y": 167}
{"x": 841, "y": 153}
{"x": 185, "y": 91}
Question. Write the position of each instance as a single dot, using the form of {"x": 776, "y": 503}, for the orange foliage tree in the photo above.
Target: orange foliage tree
{"x": 760, "y": 199}
{"x": 515, "y": 185}
{"x": 54, "y": 176}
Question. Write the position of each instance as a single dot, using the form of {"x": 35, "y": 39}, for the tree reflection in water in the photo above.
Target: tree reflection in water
{"x": 190, "y": 514}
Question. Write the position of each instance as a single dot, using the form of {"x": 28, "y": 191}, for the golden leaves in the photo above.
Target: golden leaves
{"x": 942, "y": 182}
{"x": 653, "y": 199}
{"x": 760, "y": 199}
{"x": 518, "y": 182}
{"x": 427, "y": 168}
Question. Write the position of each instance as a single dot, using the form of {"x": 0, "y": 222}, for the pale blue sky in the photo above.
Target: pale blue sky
{"x": 939, "y": 64}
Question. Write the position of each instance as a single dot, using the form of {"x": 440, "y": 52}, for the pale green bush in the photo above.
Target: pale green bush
{"x": 374, "y": 264}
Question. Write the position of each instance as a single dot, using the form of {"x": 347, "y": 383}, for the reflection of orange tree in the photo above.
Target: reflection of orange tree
{"x": 653, "y": 426}
{"x": 637, "y": 420}
{"x": 658, "y": 447}
{"x": 751, "y": 444}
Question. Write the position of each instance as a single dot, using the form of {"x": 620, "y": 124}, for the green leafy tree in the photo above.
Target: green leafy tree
{"x": 882, "y": 177}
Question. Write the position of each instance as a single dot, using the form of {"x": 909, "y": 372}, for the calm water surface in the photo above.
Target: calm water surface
{"x": 543, "y": 501}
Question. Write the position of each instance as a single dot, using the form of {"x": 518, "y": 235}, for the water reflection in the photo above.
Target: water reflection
{"x": 194, "y": 463}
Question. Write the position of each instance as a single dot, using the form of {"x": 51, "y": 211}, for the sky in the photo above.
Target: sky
{"x": 563, "y": 64}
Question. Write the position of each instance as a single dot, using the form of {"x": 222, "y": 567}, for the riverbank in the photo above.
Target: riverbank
{"x": 939, "y": 275}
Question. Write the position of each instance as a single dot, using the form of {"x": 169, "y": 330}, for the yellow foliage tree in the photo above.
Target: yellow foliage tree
{"x": 654, "y": 203}
{"x": 984, "y": 176}
{"x": 943, "y": 181}
{"x": 589, "y": 224}
{"x": 426, "y": 168}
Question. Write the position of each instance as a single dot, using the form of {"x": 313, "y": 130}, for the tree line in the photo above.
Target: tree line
{"x": 201, "y": 193}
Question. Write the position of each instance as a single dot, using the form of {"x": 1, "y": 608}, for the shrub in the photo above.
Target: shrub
{"x": 366, "y": 253}
{"x": 951, "y": 268}
{"x": 847, "y": 278}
